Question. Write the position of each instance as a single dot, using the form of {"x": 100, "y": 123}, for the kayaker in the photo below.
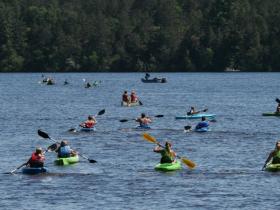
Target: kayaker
{"x": 37, "y": 159}
{"x": 133, "y": 97}
{"x": 147, "y": 76}
{"x": 88, "y": 85}
{"x": 192, "y": 111}
{"x": 202, "y": 124}
{"x": 143, "y": 120}
{"x": 167, "y": 154}
{"x": 125, "y": 97}
{"x": 274, "y": 155}
{"x": 64, "y": 150}
{"x": 89, "y": 123}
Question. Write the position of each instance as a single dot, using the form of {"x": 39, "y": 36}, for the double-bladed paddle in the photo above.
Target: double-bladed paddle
{"x": 99, "y": 113}
{"x": 152, "y": 139}
{"x": 125, "y": 120}
{"x": 46, "y": 136}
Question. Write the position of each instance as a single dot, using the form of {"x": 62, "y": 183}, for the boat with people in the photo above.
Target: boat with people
{"x": 169, "y": 166}
{"x": 195, "y": 116}
{"x": 33, "y": 171}
{"x": 202, "y": 130}
{"x": 67, "y": 160}
{"x": 154, "y": 80}
{"x": 137, "y": 103}
{"x": 87, "y": 129}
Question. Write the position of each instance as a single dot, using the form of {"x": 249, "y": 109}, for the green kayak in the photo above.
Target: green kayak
{"x": 271, "y": 114}
{"x": 272, "y": 167}
{"x": 67, "y": 161}
{"x": 168, "y": 166}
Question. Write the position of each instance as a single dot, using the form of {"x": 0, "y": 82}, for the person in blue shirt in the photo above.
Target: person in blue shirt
{"x": 202, "y": 124}
{"x": 64, "y": 150}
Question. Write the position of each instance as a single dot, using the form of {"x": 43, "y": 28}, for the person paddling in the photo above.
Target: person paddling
{"x": 167, "y": 154}
{"x": 37, "y": 159}
{"x": 89, "y": 123}
{"x": 192, "y": 111}
{"x": 133, "y": 97}
{"x": 274, "y": 156}
{"x": 88, "y": 85}
{"x": 202, "y": 124}
{"x": 125, "y": 97}
{"x": 144, "y": 121}
{"x": 64, "y": 150}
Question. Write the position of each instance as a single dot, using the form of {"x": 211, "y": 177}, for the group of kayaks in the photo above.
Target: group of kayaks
{"x": 59, "y": 161}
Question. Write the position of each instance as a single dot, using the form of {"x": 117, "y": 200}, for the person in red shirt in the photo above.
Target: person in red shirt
{"x": 125, "y": 97}
{"x": 133, "y": 97}
{"x": 89, "y": 123}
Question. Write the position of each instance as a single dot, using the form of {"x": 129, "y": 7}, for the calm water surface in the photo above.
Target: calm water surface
{"x": 229, "y": 158}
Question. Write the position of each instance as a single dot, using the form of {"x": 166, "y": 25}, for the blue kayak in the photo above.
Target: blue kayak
{"x": 33, "y": 171}
{"x": 87, "y": 129}
{"x": 204, "y": 129}
{"x": 195, "y": 116}
{"x": 143, "y": 127}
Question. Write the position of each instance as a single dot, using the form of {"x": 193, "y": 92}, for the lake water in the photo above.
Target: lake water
{"x": 229, "y": 158}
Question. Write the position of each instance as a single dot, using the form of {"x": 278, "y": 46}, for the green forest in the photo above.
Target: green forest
{"x": 139, "y": 35}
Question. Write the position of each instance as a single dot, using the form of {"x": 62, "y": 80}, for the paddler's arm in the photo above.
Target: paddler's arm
{"x": 268, "y": 159}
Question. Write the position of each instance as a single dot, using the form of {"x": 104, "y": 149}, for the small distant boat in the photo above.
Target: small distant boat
{"x": 154, "y": 80}
{"x": 231, "y": 70}
{"x": 123, "y": 103}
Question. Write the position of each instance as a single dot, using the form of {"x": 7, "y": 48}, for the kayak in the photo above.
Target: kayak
{"x": 271, "y": 114}
{"x": 168, "y": 166}
{"x": 154, "y": 80}
{"x": 33, "y": 171}
{"x": 272, "y": 167}
{"x": 142, "y": 127}
{"x": 67, "y": 161}
{"x": 87, "y": 129}
{"x": 130, "y": 104}
{"x": 195, "y": 116}
{"x": 205, "y": 129}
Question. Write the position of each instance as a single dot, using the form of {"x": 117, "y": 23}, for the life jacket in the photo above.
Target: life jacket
{"x": 202, "y": 125}
{"x": 125, "y": 98}
{"x": 64, "y": 151}
{"x": 166, "y": 157}
{"x": 36, "y": 157}
{"x": 89, "y": 124}
{"x": 133, "y": 98}
{"x": 36, "y": 160}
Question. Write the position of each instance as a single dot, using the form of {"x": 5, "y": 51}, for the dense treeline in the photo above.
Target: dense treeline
{"x": 139, "y": 35}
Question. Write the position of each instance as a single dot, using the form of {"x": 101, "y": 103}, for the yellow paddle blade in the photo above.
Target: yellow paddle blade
{"x": 188, "y": 163}
{"x": 149, "y": 138}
